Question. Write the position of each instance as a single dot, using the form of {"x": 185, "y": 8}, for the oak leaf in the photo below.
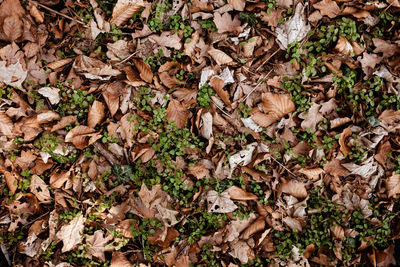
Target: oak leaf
{"x": 97, "y": 243}
{"x": 225, "y": 23}
{"x": 220, "y": 203}
{"x": 71, "y": 234}
{"x": 328, "y": 8}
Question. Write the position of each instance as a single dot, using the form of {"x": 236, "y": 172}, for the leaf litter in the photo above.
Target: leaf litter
{"x": 207, "y": 133}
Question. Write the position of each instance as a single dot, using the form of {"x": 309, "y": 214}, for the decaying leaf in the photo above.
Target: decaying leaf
{"x": 71, "y": 233}
{"x": 124, "y": 9}
{"x": 294, "y": 188}
{"x": 328, "y": 8}
{"x": 220, "y": 203}
{"x": 225, "y": 23}
{"x": 220, "y": 57}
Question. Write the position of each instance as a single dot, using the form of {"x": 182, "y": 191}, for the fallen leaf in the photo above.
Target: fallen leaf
{"x": 125, "y": 9}
{"x": 13, "y": 74}
{"x": 237, "y": 4}
{"x": 177, "y": 112}
{"x": 71, "y": 234}
{"x": 6, "y": 125}
{"x": 225, "y": 23}
{"x": 220, "y": 57}
{"x": 385, "y": 47}
{"x": 144, "y": 70}
{"x": 97, "y": 244}
{"x": 51, "y": 93}
{"x": 328, "y": 8}
{"x": 343, "y": 46}
{"x": 40, "y": 189}
{"x": 294, "y": 188}
{"x": 276, "y": 106}
{"x": 393, "y": 185}
{"x": 237, "y": 193}
{"x": 242, "y": 251}
{"x": 167, "y": 39}
{"x": 220, "y": 203}
{"x": 96, "y": 114}
{"x": 311, "y": 118}
{"x": 119, "y": 260}
{"x": 293, "y": 30}
{"x": 218, "y": 85}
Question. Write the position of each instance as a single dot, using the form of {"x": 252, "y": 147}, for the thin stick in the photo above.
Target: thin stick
{"x": 41, "y": 216}
{"x": 283, "y": 166}
{"x": 273, "y": 54}
{"x": 227, "y": 114}
{"x": 59, "y": 13}
{"x": 258, "y": 84}
{"x": 126, "y": 59}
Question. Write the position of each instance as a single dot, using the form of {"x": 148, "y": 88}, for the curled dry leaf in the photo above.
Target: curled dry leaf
{"x": 293, "y": 224}
{"x": 339, "y": 122}
{"x": 255, "y": 227}
{"x": 218, "y": 85}
{"x": 311, "y": 118}
{"x": 342, "y": 141}
{"x": 124, "y": 10}
{"x": 59, "y": 63}
{"x": 313, "y": 174}
{"x": 220, "y": 57}
{"x": 343, "y": 46}
{"x": 96, "y": 114}
{"x": 294, "y": 188}
{"x": 144, "y": 70}
{"x": 13, "y": 74}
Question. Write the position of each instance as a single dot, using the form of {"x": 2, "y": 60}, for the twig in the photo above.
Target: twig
{"x": 41, "y": 216}
{"x": 126, "y": 59}
{"x": 227, "y": 114}
{"x": 283, "y": 166}
{"x": 273, "y": 54}
{"x": 258, "y": 84}
{"x": 109, "y": 156}
{"x": 59, "y": 13}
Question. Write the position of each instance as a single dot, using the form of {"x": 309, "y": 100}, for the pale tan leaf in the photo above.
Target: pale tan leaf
{"x": 225, "y": 23}
{"x": 124, "y": 10}
{"x": 263, "y": 120}
{"x": 47, "y": 116}
{"x": 190, "y": 47}
{"x": 71, "y": 234}
{"x": 393, "y": 185}
{"x": 64, "y": 122}
{"x": 220, "y": 57}
{"x": 11, "y": 180}
{"x": 36, "y": 14}
{"x": 311, "y": 118}
{"x": 167, "y": 39}
{"x": 59, "y": 63}
{"x": 242, "y": 251}
{"x": 338, "y": 232}
{"x": 343, "y": 46}
{"x": 328, "y": 8}
{"x": 40, "y": 189}
{"x": 237, "y": 193}
{"x": 293, "y": 224}
{"x": 237, "y": 4}
{"x": 294, "y": 188}
{"x": 97, "y": 243}
{"x": 6, "y": 125}
{"x": 96, "y": 114}
{"x": 144, "y": 70}
{"x": 198, "y": 171}
{"x": 13, "y": 74}
{"x": 313, "y": 174}
{"x": 178, "y": 113}
{"x": 339, "y": 122}
{"x": 51, "y": 93}
{"x": 220, "y": 203}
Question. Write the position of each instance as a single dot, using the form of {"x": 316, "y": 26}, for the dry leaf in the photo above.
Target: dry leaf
{"x": 293, "y": 30}
{"x": 241, "y": 250}
{"x": 13, "y": 74}
{"x": 343, "y": 46}
{"x": 220, "y": 57}
{"x": 393, "y": 185}
{"x": 40, "y": 189}
{"x": 119, "y": 260}
{"x": 220, "y": 203}
{"x": 144, "y": 69}
{"x": 237, "y": 4}
{"x": 178, "y": 113}
{"x": 218, "y": 85}
{"x": 294, "y": 188}
{"x": 51, "y": 93}
{"x": 97, "y": 243}
{"x": 96, "y": 114}
{"x": 276, "y": 106}
{"x": 6, "y": 125}
{"x": 71, "y": 234}
{"x": 225, "y": 23}
{"x": 255, "y": 227}
{"x": 124, "y": 10}
{"x": 328, "y": 8}
{"x": 167, "y": 39}
{"x": 237, "y": 193}
{"x": 311, "y": 118}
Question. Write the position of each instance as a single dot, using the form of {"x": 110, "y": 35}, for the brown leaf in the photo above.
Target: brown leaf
{"x": 6, "y": 125}
{"x": 64, "y": 122}
{"x": 294, "y": 188}
{"x": 311, "y": 118}
{"x": 225, "y": 23}
{"x": 393, "y": 185}
{"x": 11, "y": 180}
{"x": 40, "y": 189}
{"x": 328, "y": 8}
{"x": 144, "y": 70}
{"x": 313, "y": 174}
{"x": 220, "y": 203}
{"x": 218, "y": 85}
{"x": 57, "y": 180}
{"x": 237, "y": 193}
{"x": 255, "y": 227}
{"x": 13, "y": 27}
{"x": 342, "y": 141}
{"x": 273, "y": 17}
{"x": 168, "y": 81}
{"x": 178, "y": 113}
{"x": 277, "y": 105}
{"x": 167, "y": 39}
{"x": 124, "y": 9}
{"x": 59, "y": 63}
{"x": 339, "y": 122}
{"x": 96, "y": 114}
{"x": 80, "y": 136}
{"x": 189, "y": 48}
{"x": 220, "y": 57}
{"x": 26, "y": 160}
{"x": 384, "y": 150}
{"x": 119, "y": 260}
{"x": 385, "y": 47}
{"x": 368, "y": 62}
{"x": 237, "y": 4}
{"x": 343, "y": 46}
{"x": 338, "y": 232}
{"x": 97, "y": 243}
{"x": 36, "y": 14}
{"x": 242, "y": 251}
{"x": 198, "y": 171}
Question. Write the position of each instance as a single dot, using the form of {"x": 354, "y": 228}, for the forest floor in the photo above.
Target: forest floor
{"x": 200, "y": 133}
